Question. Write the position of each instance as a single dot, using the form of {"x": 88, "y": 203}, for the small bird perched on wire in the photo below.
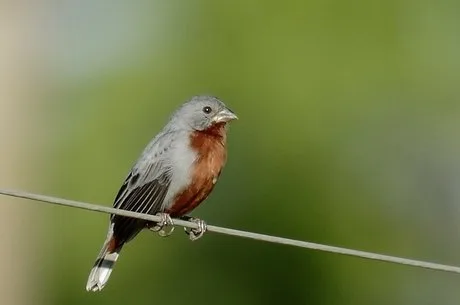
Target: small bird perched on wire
{"x": 176, "y": 172}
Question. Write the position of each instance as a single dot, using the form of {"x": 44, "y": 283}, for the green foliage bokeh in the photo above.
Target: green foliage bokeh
{"x": 346, "y": 137}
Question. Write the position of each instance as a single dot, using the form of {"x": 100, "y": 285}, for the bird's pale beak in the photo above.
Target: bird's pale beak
{"x": 224, "y": 116}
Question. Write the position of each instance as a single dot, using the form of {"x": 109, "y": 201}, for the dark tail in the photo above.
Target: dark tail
{"x": 103, "y": 266}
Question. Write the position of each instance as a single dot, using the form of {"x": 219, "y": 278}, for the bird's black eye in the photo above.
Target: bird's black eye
{"x": 207, "y": 109}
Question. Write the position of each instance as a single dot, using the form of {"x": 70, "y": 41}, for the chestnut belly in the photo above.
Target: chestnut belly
{"x": 192, "y": 196}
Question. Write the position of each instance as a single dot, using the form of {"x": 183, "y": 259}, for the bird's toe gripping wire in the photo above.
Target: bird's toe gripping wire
{"x": 195, "y": 233}
{"x": 165, "y": 226}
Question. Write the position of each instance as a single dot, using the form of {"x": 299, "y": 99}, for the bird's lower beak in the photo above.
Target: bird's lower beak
{"x": 224, "y": 116}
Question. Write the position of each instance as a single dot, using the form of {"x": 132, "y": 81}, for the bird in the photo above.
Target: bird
{"x": 177, "y": 170}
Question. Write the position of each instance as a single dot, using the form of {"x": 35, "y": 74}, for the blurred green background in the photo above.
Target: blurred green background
{"x": 348, "y": 135}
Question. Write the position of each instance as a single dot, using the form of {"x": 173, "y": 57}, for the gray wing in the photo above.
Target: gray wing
{"x": 143, "y": 191}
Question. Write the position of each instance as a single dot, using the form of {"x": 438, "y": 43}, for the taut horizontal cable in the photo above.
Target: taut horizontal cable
{"x": 227, "y": 231}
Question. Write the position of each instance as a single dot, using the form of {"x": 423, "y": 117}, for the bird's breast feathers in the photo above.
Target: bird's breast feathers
{"x": 210, "y": 157}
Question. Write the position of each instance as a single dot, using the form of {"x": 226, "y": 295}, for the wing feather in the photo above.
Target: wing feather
{"x": 140, "y": 194}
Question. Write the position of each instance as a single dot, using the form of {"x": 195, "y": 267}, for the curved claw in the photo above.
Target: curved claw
{"x": 196, "y": 233}
{"x": 165, "y": 226}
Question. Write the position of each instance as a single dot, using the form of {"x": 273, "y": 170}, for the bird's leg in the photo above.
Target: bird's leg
{"x": 195, "y": 233}
{"x": 165, "y": 222}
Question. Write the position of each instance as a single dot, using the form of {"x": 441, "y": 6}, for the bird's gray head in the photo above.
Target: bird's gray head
{"x": 200, "y": 113}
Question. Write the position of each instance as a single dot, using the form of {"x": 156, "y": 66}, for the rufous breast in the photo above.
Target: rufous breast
{"x": 210, "y": 146}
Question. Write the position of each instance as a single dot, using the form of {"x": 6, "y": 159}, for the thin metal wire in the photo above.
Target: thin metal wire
{"x": 239, "y": 233}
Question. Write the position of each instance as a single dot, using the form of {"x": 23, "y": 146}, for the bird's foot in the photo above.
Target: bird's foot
{"x": 195, "y": 233}
{"x": 165, "y": 226}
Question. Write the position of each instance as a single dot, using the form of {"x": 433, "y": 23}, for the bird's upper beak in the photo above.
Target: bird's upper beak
{"x": 224, "y": 116}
